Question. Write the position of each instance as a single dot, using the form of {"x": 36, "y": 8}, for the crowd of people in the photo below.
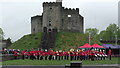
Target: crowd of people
{"x": 79, "y": 54}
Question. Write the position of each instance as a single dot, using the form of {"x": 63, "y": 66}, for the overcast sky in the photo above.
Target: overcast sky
{"x": 15, "y": 15}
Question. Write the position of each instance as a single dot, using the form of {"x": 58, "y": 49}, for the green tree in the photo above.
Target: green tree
{"x": 110, "y": 32}
{"x": 93, "y": 32}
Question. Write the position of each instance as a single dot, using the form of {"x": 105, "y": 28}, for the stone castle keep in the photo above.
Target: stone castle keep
{"x": 55, "y": 16}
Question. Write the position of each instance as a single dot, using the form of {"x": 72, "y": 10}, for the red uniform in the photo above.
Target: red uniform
{"x": 15, "y": 53}
{"x": 50, "y": 52}
{"x": 71, "y": 53}
{"x": 32, "y": 53}
{"x": 46, "y": 54}
{"x": 23, "y": 53}
{"x": 80, "y": 53}
{"x": 65, "y": 53}
{"x": 26, "y": 53}
{"x": 109, "y": 52}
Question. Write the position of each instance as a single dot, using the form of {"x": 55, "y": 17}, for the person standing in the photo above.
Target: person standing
{"x": 50, "y": 51}
{"x": 92, "y": 55}
{"x": 32, "y": 53}
{"x": 109, "y": 53}
{"x": 26, "y": 54}
{"x": 71, "y": 54}
{"x": 15, "y": 54}
{"x": 46, "y": 54}
{"x": 23, "y": 54}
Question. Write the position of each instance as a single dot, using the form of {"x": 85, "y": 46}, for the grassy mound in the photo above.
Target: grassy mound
{"x": 67, "y": 40}
{"x": 64, "y": 41}
{"x": 27, "y": 42}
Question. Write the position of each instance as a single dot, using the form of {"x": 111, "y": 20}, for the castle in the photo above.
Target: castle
{"x": 55, "y": 16}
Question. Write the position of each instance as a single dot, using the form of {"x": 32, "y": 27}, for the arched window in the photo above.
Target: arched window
{"x": 49, "y": 30}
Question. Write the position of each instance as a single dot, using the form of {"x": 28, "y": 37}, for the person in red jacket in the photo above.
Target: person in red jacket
{"x": 46, "y": 54}
{"x": 66, "y": 55}
{"x": 71, "y": 54}
{"x": 50, "y": 54}
{"x": 59, "y": 54}
{"x": 32, "y": 54}
{"x": 37, "y": 54}
{"x": 15, "y": 54}
{"x": 23, "y": 54}
{"x": 75, "y": 55}
{"x": 109, "y": 53}
{"x": 92, "y": 55}
{"x": 42, "y": 53}
{"x": 26, "y": 54}
{"x": 81, "y": 54}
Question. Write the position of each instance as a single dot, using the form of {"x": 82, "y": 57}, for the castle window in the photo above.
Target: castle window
{"x": 69, "y": 15}
{"x": 49, "y": 24}
{"x": 34, "y": 29}
{"x": 50, "y": 8}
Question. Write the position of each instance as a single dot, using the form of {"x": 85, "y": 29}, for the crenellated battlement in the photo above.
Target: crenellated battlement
{"x": 71, "y": 9}
{"x": 55, "y": 16}
{"x": 52, "y": 4}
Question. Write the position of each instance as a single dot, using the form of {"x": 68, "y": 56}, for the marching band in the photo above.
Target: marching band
{"x": 79, "y": 54}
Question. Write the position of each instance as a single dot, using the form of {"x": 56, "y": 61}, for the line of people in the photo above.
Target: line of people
{"x": 81, "y": 54}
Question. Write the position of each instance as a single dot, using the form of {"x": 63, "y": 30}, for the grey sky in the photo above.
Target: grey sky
{"x": 15, "y": 15}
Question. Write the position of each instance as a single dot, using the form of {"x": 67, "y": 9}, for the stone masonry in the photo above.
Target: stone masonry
{"x": 55, "y": 16}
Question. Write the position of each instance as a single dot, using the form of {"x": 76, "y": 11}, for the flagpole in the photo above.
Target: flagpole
{"x": 116, "y": 39}
{"x": 89, "y": 38}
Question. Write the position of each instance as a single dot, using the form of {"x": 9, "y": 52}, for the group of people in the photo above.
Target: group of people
{"x": 79, "y": 54}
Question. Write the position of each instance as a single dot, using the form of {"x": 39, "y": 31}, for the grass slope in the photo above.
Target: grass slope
{"x": 64, "y": 41}
{"x": 57, "y": 62}
{"x": 27, "y": 42}
{"x": 67, "y": 40}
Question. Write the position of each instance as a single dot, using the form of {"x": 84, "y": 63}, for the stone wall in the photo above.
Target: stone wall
{"x": 36, "y": 24}
{"x": 52, "y": 15}
{"x": 57, "y": 17}
{"x": 72, "y": 20}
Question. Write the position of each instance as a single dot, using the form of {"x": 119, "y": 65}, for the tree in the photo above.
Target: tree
{"x": 93, "y": 32}
{"x": 1, "y": 34}
{"x": 110, "y": 32}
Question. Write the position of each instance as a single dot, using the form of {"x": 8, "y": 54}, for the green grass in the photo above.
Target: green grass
{"x": 27, "y": 42}
{"x": 64, "y": 40}
{"x": 57, "y": 62}
{"x": 67, "y": 40}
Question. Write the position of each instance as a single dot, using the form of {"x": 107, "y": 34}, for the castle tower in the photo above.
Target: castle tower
{"x": 56, "y": 17}
{"x": 52, "y": 15}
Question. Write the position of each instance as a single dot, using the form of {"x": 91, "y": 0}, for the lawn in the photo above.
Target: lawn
{"x": 57, "y": 62}
{"x": 0, "y": 63}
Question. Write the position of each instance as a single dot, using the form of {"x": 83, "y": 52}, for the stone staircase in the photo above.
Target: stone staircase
{"x": 48, "y": 39}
